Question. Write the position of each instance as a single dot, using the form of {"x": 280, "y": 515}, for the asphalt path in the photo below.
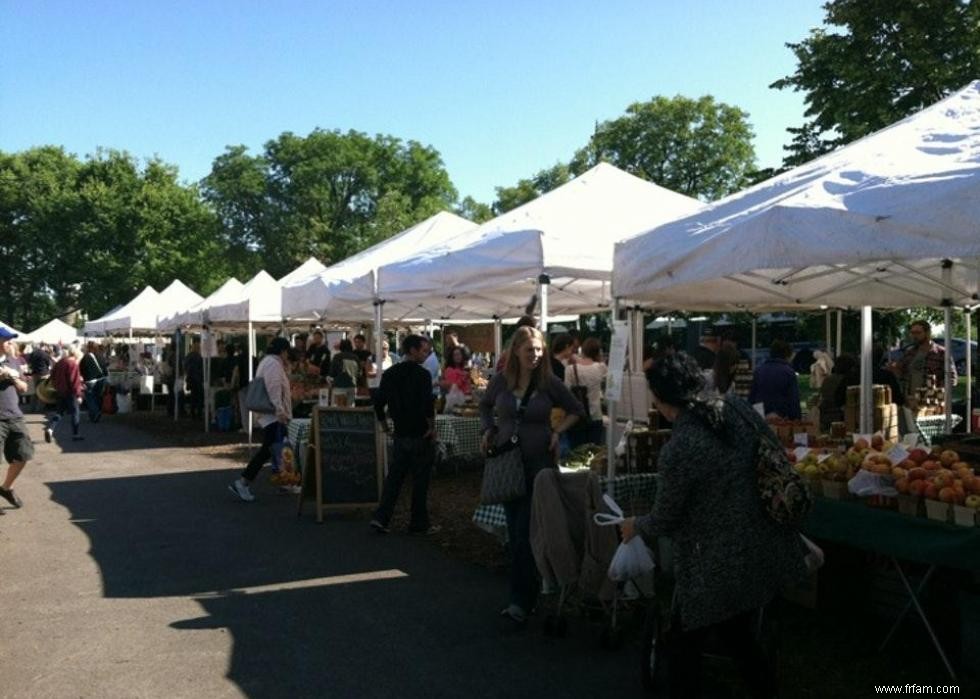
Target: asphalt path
{"x": 131, "y": 571}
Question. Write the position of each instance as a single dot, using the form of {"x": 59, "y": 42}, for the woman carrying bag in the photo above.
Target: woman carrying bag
{"x": 272, "y": 373}
{"x": 526, "y": 379}
{"x": 731, "y": 557}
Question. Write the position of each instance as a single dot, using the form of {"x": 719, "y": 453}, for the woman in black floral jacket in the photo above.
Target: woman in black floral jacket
{"x": 731, "y": 559}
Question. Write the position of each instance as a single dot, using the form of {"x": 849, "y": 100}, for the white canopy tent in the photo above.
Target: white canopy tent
{"x": 54, "y": 332}
{"x": 888, "y": 221}
{"x": 311, "y": 267}
{"x": 258, "y": 301}
{"x": 355, "y": 276}
{"x": 559, "y": 246}
{"x": 194, "y": 315}
{"x": 174, "y": 299}
{"x": 141, "y": 311}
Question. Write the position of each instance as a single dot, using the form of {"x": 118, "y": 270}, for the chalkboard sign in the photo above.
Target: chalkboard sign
{"x": 348, "y": 460}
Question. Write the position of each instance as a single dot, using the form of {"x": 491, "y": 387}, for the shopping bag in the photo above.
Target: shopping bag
{"x": 503, "y": 477}
{"x": 453, "y": 398}
{"x": 631, "y": 560}
{"x": 257, "y": 397}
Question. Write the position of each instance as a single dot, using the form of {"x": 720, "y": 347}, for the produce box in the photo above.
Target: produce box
{"x": 884, "y": 419}
{"x": 939, "y": 511}
{"x": 642, "y": 448}
{"x": 835, "y": 490}
{"x": 881, "y": 395}
{"x": 964, "y": 516}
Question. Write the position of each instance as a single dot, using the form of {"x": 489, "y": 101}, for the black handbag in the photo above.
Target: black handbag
{"x": 581, "y": 394}
{"x": 503, "y": 474}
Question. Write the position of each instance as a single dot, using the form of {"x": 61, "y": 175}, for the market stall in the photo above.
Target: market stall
{"x": 54, "y": 332}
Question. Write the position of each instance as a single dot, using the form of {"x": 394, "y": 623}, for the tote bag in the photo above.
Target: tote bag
{"x": 503, "y": 473}
{"x": 257, "y": 397}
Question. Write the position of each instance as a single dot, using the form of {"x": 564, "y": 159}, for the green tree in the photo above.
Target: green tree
{"x": 328, "y": 194}
{"x": 698, "y": 147}
{"x": 475, "y": 211}
{"x": 875, "y": 62}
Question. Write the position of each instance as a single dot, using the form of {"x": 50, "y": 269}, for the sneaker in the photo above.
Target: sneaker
{"x": 514, "y": 613}
{"x": 377, "y": 526}
{"x": 47, "y": 434}
{"x": 428, "y": 531}
{"x": 241, "y": 489}
{"x": 10, "y": 496}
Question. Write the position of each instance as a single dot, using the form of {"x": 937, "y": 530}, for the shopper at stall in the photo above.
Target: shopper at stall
{"x": 884, "y": 376}
{"x": 562, "y": 347}
{"x": 15, "y": 442}
{"x": 833, "y": 390}
{"x": 273, "y": 371}
{"x": 775, "y": 384}
{"x": 406, "y": 393}
{"x": 730, "y": 558}
{"x": 707, "y": 348}
{"x": 922, "y": 361}
{"x": 528, "y": 371}
{"x": 346, "y": 367}
{"x": 364, "y": 356}
{"x": 92, "y": 368}
{"x": 588, "y": 370}
{"x": 194, "y": 368}
{"x": 67, "y": 382}
{"x": 457, "y": 372}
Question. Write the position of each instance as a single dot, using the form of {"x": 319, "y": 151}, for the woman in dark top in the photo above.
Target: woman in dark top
{"x": 528, "y": 369}
{"x": 731, "y": 558}
{"x": 833, "y": 391}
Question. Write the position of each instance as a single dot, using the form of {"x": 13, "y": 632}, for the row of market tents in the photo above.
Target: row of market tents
{"x": 888, "y": 221}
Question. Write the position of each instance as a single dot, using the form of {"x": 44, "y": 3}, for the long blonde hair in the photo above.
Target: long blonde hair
{"x": 512, "y": 372}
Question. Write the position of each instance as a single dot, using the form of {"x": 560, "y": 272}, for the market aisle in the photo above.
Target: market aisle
{"x": 132, "y": 572}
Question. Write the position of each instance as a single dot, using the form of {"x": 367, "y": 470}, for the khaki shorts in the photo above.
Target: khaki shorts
{"x": 16, "y": 443}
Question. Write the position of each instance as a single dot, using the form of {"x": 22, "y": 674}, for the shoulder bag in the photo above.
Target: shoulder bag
{"x": 503, "y": 474}
{"x": 257, "y": 397}
{"x": 785, "y": 497}
{"x": 581, "y": 394}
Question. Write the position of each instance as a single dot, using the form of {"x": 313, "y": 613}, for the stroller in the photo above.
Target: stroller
{"x": 573, "y": 555}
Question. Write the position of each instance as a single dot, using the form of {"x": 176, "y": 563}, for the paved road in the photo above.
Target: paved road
{"x": 131, "y": 572}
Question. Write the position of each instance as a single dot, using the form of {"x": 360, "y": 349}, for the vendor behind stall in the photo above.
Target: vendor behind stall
{"x": 775, "y": 385}
{"x": 922, "y": 360}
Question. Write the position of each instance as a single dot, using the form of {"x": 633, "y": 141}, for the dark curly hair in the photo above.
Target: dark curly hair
{"x": 677, "y": 380}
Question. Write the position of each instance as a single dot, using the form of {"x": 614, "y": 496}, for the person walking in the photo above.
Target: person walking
{"x": 67, "y": 381}
{"x": 731, "y": 558}
{"x": 526, "y": 379}
{"x": 94, "y": 375}
{"x": 272, "y": 370}
{"x": 15, "y": 442}
{"x": 406, "y": 392}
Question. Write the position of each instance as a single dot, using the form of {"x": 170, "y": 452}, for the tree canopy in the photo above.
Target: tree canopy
{"x": 698, "y": 147}
{"x": 875, "y": 62}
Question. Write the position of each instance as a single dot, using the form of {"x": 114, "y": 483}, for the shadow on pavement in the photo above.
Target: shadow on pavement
{"x": 410, "y": 622}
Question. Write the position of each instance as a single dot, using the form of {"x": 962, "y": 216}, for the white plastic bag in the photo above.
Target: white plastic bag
{"x": 632, "y": 559}
{"x": 865, "y": 484}
{"x": 453, "y": 398}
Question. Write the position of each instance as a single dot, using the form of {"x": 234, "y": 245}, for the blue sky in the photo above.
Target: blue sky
{"x": 501, "y": 90}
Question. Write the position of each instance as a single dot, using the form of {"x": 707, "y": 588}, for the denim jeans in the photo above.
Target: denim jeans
{"x": 415, "y": 456}
{"x": 68, "y": 405}
{"x": 525, "y": 581}
{"x": 271, "y": 434}
{"x": 93, "y": 398}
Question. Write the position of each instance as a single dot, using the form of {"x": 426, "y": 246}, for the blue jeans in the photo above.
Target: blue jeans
{"x": 525, "y": 581}
{"x": 67, "y": 405}
{"x": 93, "y": 398}
{"x": 415, "y": 456}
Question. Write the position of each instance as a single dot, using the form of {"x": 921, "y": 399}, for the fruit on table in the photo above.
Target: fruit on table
{"x": 917, "y": 488}
{"x": 917, "y": 474}
{"x": 902, "y": 485}
{"x": 948, "y": 457}
{"x": 918, "y": 455}
{"x": 973, "y": 501}
{"x": 931, "y": 465}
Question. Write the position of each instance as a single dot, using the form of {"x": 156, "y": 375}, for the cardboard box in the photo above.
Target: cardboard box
{"x": 910, "y": 505}
{"x": 880, "y": 395}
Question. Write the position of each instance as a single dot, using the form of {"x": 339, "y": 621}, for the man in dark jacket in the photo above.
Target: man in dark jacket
{"x": 775, "y": 385}
{"x": 93, "y": 373}
{"x": 406, "y": 392}
{"x": 67, "y": 381}
{"x": 195, "y": 378}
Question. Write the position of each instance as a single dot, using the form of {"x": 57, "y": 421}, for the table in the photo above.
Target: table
{"x": 626, "y": 487}
{"x": 900, "y": 538}
{"x": 462, "y": 434}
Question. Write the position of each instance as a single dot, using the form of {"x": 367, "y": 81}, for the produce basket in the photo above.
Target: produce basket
{"x": 835, "y": 490}
{"x": 910, "y": 505}
{"x": 938, "y": 510}
{"x": 964, "y": 516}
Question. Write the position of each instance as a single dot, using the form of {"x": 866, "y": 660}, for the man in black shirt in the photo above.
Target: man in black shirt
{"x": 92, "y": 369}
{"x": 318, "y": 354}
{"x": 406, "y": 391}
{"x": 364, "y": 356}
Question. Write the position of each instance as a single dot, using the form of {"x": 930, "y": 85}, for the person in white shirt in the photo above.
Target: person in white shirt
{"x": 273, "y": 370}
{"x": 374, "y": 375}
{"x": 588, "y": 370}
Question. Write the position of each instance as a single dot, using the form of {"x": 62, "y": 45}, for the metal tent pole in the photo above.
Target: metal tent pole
{"x": 948, "y": 354}
{"x": 251, "y": 373}
{"x": 755, "y": 336}
{"x": 543, "y": 282}
{"x": 866, "y": 422}
{"x": 498, "y": 340}
{"x": 611, "y": 406}
{"x": 177, "y": 365}
{"x": 840, "y": 334}
{"x": 968, "y": 320}
{"x": 830, "y": 345}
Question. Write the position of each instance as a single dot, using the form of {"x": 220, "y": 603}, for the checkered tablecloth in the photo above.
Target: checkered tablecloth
{"x": 461, "y": 433}
{"x": 298, "y": 432}
{"x": 627, "y": 488}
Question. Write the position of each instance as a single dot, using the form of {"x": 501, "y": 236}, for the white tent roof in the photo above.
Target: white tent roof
{"x": 55, "y": 331}
{"x": 195, "y": 315}
{"x": 309, "y": 268}
{"x": 567, "y": 233}
{"x": 140, "y": 312}
{"x": 174, "y": 299}
{"x": 354, "y": 277}
{"x": 869, "y": 224}
{"x": 258, "y": 301}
